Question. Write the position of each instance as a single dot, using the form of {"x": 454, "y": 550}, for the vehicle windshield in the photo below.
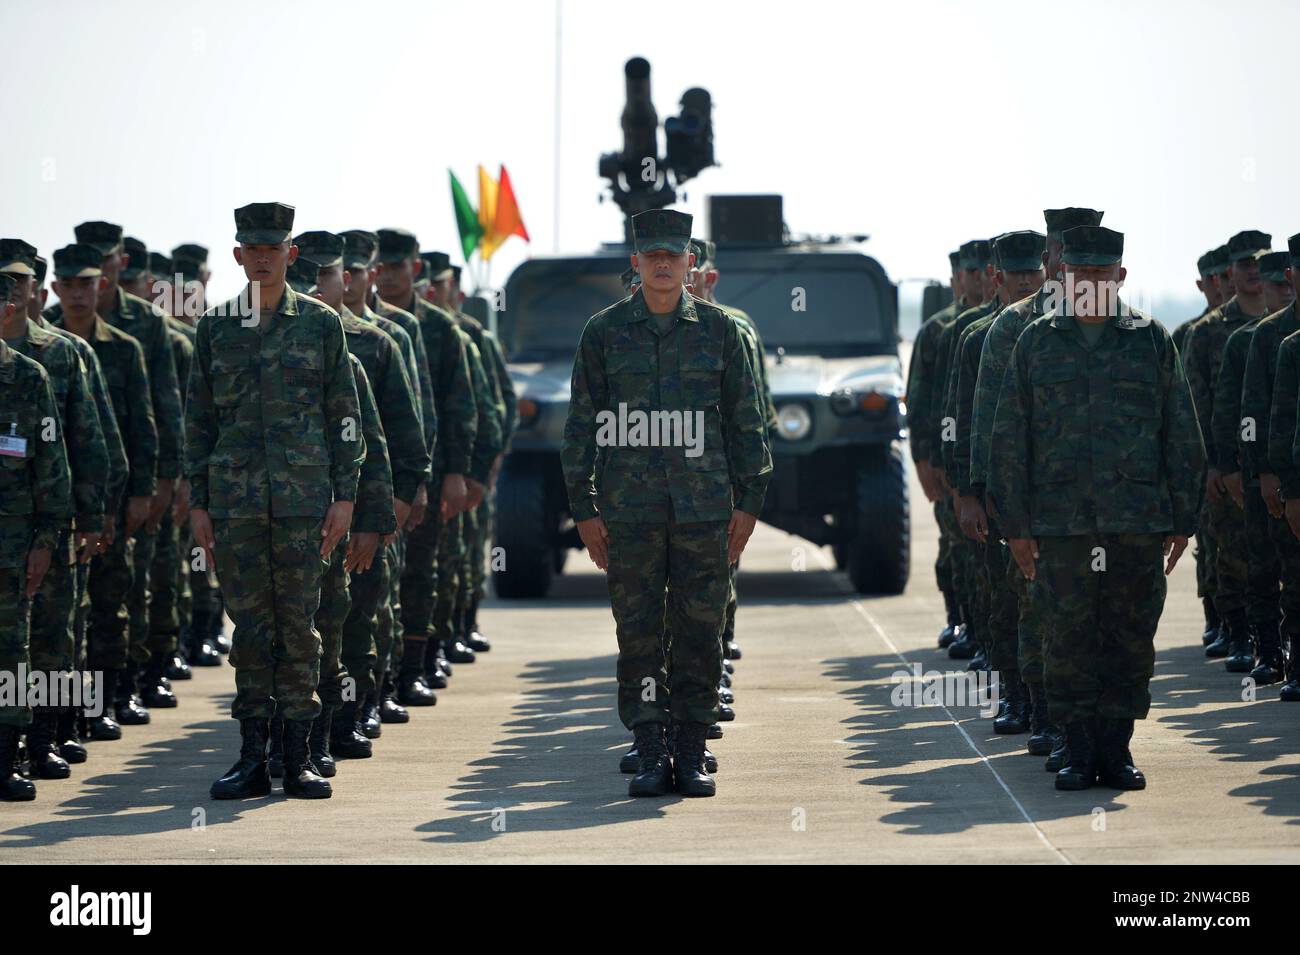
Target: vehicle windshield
{"x": 844, "y": 310}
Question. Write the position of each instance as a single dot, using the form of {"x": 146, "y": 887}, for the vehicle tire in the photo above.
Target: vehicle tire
{"x": 880, "y": 553}
{"x": 525, "y": 532}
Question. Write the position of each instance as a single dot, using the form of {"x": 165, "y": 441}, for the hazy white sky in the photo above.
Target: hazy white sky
{"x": 923, "y": 124}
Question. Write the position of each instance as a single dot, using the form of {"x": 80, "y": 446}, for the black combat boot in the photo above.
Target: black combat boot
{"x": 1012, "y": 716}
{"x": 689, "y": 772}
{"x": 103, "y": 727}
{"x": 42, "y": 754}
{"x": 725, "y": 713}
{"x": 200, "y": 649}
{"x": 949, "y": 633}
{"x": 728, "y": 666}
{"x": 1222, "y": 644}
{"x": 725, "y": 680}
{"x": 473, "y": 637}
{"x": 1040, "y": 736}
{"x": 710, "y": 761}
{"x": 127, "y": 706}
{"x": 154, "y": 690}
{"x": 66, "y": 735}
{"x": 654, "y": 776}
{"x": 978, "y": 662}
{"x": 1290, "y": 692}
{"x": 300, "y": 778}
{"x": 1081, "y": 770}
{"x": 411, "y": 689}
{"x": 346, "y": 739}
{"x": 457, "y": 652}
{"x": 1211, "y": 622}
{"x": 725, "y": 695}
{"x": 965, "y": 646}
{"x": 731, "y": 650}
{"x": 1060, "y": 754}
{"x": 1114, "y": 759}
{"x": 318, "y": 743}
{"x": 1268, "y": 655}
{"x": 715, "y": 731}
{"x": 13, "y": 788}
{"x": 377, "y": 710}
{"x": 248, "y": 777}
{"x": 177, "y": 667}
{"x": 1241, "y": 651}
{"x": 630, "y": 761}
{"x": 275, "y": 751}
{"x": 217, "y": 635}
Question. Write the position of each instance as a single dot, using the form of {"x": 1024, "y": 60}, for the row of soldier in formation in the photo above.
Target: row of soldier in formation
{"x": 325, "y": 447}
{"x": 1072, "y": 447}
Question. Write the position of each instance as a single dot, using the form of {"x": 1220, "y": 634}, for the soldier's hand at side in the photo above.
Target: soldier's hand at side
{"x": 1213, "y": 485}
{"x": 941, "y": 478}
{"x": 38, "y": 562}
{"x": 1270, "y": 489}
{"x": 158, "y": 505}
{"x": 1025, "y": 551}
{"x": 1292, "y": 511}
{"x": 970, "y": 514}
{"x": 181, "y": 503}
{"x": 1174, "y": 547}
{"x": 337, "y": 521}
{"x": 137, "y": 513}
{"x": 474, "y": 497}
{"x": 361, "y": 551}
{"x": 1232, "y": 483}
{"x": 109, "y": 533}
{"x": 201, "y": 531}
{"x": 454, "y": 493}
{"x": 738, "y": 531}
{"x": 595, "y": 535}
{"x": 402, "y": 511}
{"x": 419, "y": 508}
{"x": 496, "y": 470}
{"x": 925, "y": 474}
{"x": 87, "y": 546}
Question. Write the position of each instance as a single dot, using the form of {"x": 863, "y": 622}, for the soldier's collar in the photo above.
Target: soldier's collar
{"x": 38, "y": 336}
{"x": 639, "y": 311}
{"x": 289, "y": 301}
{"x": 1127, "y": 318}
{"x": 101, "y": 332}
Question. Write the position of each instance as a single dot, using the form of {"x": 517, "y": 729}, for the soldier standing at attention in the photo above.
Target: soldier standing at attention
{"x": 666, "y": 524}
{"x": 35, "y": 512}
{"x": 1095, "y": 472}
{"x": 273, "y": 452}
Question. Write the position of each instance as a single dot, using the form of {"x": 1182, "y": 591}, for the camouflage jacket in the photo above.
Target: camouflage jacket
{"x": 181, "y": 338}
{"x": 1226, "y": 426}
{"x": 1095, "y": 442}
{"x": 958, "y": 457}
{"x": 921, "y": 374}
{"x": 35, "y": 486}
{"x": 118, "y": 469}
{"x": 487, "y": 433}
{"x": 993, "y": 360}
{"x": 758, "y": 358}
{"x": 700, "y": 370}
{"x": 79, "y": 426}
{"x": 1179, "y": 334}
{"x": 399, "y": 410}
{"x": 1206, "y": 341}
{"x": 1282, "y": 415}
{"x": 509, "y": 399}
{"x": 382, "y": 311}
{"x": 122, "y": 361}
{"x": 1257, "y": 388}
{"x": 944, "y": 398}
{"x": 137, "y": 318}
{"x": 373, "y": 511}
{"x": 272, "y": 421}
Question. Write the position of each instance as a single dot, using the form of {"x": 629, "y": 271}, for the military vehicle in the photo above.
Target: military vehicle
{"x": 828, "y": 316}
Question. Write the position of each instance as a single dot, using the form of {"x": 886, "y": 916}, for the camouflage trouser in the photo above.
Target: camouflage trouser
{"x": 271, "y": 571}
{"x": 138, "y": 597}
{"x": 80, "y": 614}
{"x": 1031, "y": 629}
{"x": 729, "y": 622}
{"x": 1262, "y": 566}
{"x": 15, "y": 610}
{"x": 1228, "y": 528}
{"x": 419, "y": 577}
{"x": 165, "y": 582}
{"x": 388, "y": 619}
{"x": 360, "y": 654}
{"x": 943, "y": 562}
{"x": 451, "y": 559}
{"x": 1204, "y": 554}
{"x": 206, "y": 606}
{"x": 1288, "y": 553}
{"x": 109, "y": 586}
{"x": 51, "y": 642}
{"x": 471, "y": 526}
{"x": 974, "y": 589}
{"x": 682, "y": 567}
{"x": 961, "y": 568}
{"x": 1001, "y": 637}
{"x": 1100, "y": 656}
{"x": 335, "y": 603}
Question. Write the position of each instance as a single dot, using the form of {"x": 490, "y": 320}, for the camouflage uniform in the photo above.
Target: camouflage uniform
{"x": 1285, "y": 328}
{"x": 666, "y": 513}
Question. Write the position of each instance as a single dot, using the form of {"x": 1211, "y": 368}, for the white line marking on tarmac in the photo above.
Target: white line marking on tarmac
{"x": 856, "y": 604}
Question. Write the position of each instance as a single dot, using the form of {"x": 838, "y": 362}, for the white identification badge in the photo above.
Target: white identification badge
{"x": 13, "y": 446}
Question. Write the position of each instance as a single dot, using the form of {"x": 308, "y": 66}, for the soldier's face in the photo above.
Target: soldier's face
{"x": 1014, "y": 286}
{"x": 79, "y": 295}
{"x": 1052, "y": 258}
{"x": 37, "y": 302}
{"x": 330, "y": 285}
{"x": 702, "y": 282}
{"x": 358, "y": 285}
{"x": 1227, "y": 288}
{"x": 138, "y": 285}
{"x": 662, "y": 270}
{"x": 112, "y": 266}
{"x": 440, "y": 292}
{"x": 1277, "y": 295}
{"x": 1096, "y": 287}
{"x": 266, "y": 264}
{"x": 970, "y": 285}
{"x": 1245, "y": 277}
{"x": 22, "y": 294}
{"x": 1210, "y": 289}
{"x": 396, "y": 279}
{"x": 988, "y": 283}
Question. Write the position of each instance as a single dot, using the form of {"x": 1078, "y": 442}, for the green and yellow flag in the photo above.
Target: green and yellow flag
{"x": 467, "y": 221}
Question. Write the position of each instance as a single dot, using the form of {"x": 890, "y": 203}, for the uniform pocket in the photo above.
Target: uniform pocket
{"x": 701, "y": 379}
{"x": 232, "y": 376}
{"x": 311, "y": 455}
{"x": 1134, "y": 389}
{"x": 301, "y": 371}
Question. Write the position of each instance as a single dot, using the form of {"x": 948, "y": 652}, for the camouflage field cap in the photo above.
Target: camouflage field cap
{"x": 40, "y": 265}
{"x": 1058, "y": 220}
{"x": 974, "y": 255}
{"x": 661, "y": 229}
{"x": 359, "y": 248}
{"x": 1092, "y": 245}
{"x": 191, "y": 250}
{"x": 1204, "y": 264}
{"x": 263, "y": 223}
{"x": 322, "y": 250}
{"x": 397, "y": 244}
{"x": 455, "y": 274}
{"x": 301, "y": 276}
{"x": 104, "y": 236}
{"x": 77, "y": 261}
{"x": 1293, "y": 246}
{"x": 7, "y": 285}
{"x": 1273, "y": 266}
{"x": 437, "y": 266}
{"x": 137, "y": 257}
{"x": 954, "y": 261}
{"x": 161, "y": 266}
{"x": 1020, "y": 251}
{"x": 189, "y": 268}
{"x": 705, "y": 253}
{"x": 1218, "y": 260}
{"x": 17, "y": 257}
{"x": 1248, "y": 244}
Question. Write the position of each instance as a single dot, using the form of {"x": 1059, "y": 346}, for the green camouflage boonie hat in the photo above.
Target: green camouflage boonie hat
{"x": 263, "y": 223}
{"x": 359, "y": 248}
{"x": 1020, "y": 251}
{"x": 137, "y": 257}
{"x": 105, "y": 236}
{"x": 974, "y": 255}
{"x": 1092, "y": 245}
{"x": 1058, "y": 220}
{"x": 437, "y": 266}
{"x": 1249, "y": 244}
{"x": 77, "y": 261}
{"x": 322, "y": 250}
{"x": 395, "y": 245}
{"x": 17, "y": 257}
{"x": 1273, "y": 266}
{"x": 661, "y": 229}
{"x": 191, "y": 250}
{"x": 301, "y": 276}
